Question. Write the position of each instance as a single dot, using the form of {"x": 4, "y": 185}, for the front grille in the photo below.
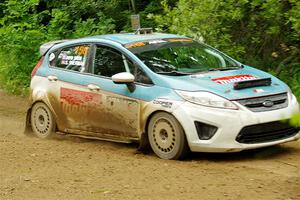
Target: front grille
{"x": 266, "y": 132}
{"x": 257, "y": 104}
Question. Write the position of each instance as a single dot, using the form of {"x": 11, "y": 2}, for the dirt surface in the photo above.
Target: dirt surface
{"x": 72, "y": 168}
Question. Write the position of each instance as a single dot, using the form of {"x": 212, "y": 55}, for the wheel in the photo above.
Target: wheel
{"x": 166, "y": 137}
{"x": 42, "y": 121}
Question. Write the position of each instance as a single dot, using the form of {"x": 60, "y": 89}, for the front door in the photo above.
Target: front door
{"x": 118, "y": 114}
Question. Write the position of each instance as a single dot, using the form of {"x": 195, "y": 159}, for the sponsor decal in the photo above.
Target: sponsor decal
{"x": 134, "y": 45}
{"x": 165, "y": 104}
{"x": 232, "y": 79}
{"x": 198, "y": 76}
{"x": 258, "y": 90}
{"x": 180, "y": 40}
{"x": 156, "y": 41}
{"x": 78, "y": 99}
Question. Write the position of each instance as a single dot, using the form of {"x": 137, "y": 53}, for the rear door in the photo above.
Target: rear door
{"x": 72, "y": 99}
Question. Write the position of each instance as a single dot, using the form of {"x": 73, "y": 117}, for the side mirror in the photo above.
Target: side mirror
{"x": 124, "y": 78}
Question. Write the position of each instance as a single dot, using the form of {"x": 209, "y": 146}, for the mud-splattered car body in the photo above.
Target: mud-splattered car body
{"x": 89, "y": 103}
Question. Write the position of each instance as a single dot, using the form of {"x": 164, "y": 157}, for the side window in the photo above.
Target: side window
{"x": 109, "y": 62}
{"x": 140, "y": 76}
{"x": 71, "y": 58}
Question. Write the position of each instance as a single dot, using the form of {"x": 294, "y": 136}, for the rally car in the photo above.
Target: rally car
{"x": 169, "y": 91}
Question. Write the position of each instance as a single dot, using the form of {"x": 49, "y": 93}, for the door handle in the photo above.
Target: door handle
{"x": 93, "y": 87}
{"x": 52, "y": 78}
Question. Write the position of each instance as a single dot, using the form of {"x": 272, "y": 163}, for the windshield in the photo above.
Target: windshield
{"x": 181, "y": 57}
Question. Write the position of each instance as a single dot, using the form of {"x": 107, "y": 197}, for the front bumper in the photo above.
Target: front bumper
{"x": 229, "y": 124}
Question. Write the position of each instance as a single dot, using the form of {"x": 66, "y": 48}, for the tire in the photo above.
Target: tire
{"x": 166, "y": 137}
{"x": 42, "y": 121}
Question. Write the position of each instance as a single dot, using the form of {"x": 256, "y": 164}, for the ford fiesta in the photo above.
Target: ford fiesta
{"x": 165, "y": 90}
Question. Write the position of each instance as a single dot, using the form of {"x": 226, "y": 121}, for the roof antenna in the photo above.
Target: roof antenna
{"x": 143, "y": 31}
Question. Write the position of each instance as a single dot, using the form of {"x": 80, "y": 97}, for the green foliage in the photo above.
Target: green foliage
{"x": 19, "y": 37}
{"x": 26, "y": 24}
{"x": 247, "y": 30}
{"x": 295, "y": 121}
{"x": 93, "y": 27}
{"x": 207, "y": 20}
{"x": 261, "y": 33}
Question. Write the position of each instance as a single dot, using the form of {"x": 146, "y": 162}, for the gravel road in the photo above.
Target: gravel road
{"x": 73, "y": 168}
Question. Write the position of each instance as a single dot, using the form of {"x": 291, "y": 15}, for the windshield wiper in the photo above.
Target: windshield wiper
{"x": 224, "y": 69}
{"x": 174, "y": 73}
{"x": 218, "y": 69}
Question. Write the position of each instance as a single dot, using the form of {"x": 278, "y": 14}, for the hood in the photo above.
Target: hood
{"x": 222, "y": 83}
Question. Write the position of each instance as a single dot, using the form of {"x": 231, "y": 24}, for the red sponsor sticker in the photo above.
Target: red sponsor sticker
{"x": 232, "y": 79}
{"x": 76, "y": 97}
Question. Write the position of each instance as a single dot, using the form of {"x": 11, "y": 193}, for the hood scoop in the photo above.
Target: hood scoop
{"x": 252, "y": 83}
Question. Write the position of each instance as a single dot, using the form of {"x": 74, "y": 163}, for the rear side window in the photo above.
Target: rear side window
{"x": 71, "y": 58}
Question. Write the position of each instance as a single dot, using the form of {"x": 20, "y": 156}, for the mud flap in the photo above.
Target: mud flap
{"x": 144, "y": 145}
{"x": 28, "y": 129}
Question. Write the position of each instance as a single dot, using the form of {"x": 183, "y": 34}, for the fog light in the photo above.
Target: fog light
{"x": 205, "y": 131}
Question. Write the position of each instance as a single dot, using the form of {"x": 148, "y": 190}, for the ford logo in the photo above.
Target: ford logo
{"x": 268, "y": 103}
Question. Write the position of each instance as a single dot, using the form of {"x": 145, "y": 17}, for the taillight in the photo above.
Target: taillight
{"x": 37, "y": 67}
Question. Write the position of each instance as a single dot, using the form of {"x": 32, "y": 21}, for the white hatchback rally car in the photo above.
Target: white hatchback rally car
{"x": 165, "y": 90}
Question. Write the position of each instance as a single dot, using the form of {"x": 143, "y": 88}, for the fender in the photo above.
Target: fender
{"x": 148, "y": 109}
{"x": 37, "y": 95}
{"x": 159, "y": 104}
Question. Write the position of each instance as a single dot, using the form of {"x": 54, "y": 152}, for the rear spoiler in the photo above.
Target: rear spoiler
{"x": 45, "y": 47}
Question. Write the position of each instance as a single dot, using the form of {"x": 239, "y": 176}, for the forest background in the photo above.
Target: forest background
{"x": 260, "y": 33}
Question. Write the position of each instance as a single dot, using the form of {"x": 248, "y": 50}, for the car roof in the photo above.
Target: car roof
{"x": 121, "y": 38}
{"x": 125, "y": 38}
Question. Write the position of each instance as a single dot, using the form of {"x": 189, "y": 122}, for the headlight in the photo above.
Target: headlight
{"x": 207, "y": 99}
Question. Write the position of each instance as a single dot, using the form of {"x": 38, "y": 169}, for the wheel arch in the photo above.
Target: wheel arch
{"x": 185, "y": 149}
{"x": 28, "y": 129}
{"x": 39, "y": 94}
{"x": 144, "y": 144}
{"x": 144, "y": 141}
